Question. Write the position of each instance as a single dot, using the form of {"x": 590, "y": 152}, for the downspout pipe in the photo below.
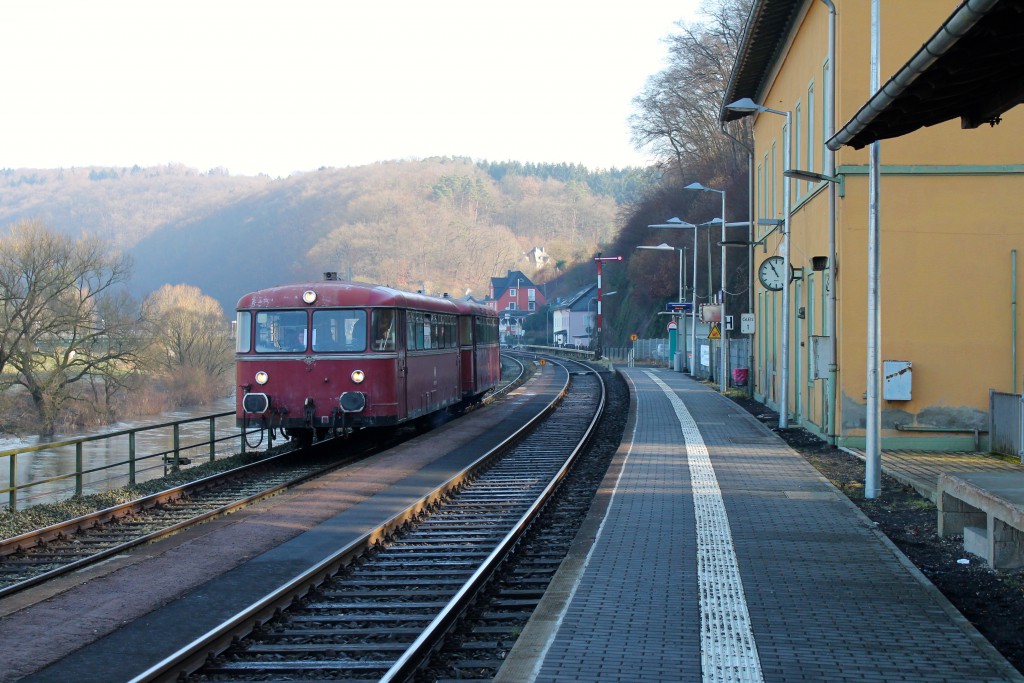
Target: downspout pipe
{"x": 832, "y": 388}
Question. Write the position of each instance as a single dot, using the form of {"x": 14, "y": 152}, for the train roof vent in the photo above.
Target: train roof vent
{"x": 446, "y": 295}
{"x": 331, "y": 275}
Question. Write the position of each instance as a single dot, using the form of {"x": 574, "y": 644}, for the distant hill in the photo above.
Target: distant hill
{"x": 442, "y": 224}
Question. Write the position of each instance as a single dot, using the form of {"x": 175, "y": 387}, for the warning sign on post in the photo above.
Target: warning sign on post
{"x": 716, "y": 332}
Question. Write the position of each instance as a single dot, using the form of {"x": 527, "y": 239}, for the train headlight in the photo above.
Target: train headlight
{"x": 358, "y": 376}
{"x": 262, "y": 377}
{"x": 309, "y": 296}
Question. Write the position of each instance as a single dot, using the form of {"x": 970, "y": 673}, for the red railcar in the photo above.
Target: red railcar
{"x": 324, "y": 356}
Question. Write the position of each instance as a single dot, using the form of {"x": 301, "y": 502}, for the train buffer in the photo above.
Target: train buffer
{"x": 988, "y": 509}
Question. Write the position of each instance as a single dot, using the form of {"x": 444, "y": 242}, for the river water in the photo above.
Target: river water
{"x": 39, "y": 465}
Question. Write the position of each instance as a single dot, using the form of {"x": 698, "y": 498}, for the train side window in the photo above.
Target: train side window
{"x": 243, "y": 332}
{"x": 382, "y": 323}
{"x": 466, "y": 330}
{"x": 281, "y": 331}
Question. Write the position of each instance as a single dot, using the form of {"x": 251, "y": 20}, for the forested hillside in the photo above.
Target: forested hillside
{"x": 442, "y": 224}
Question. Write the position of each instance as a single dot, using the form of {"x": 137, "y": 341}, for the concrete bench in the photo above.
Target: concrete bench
{"x": 988, "y": 509}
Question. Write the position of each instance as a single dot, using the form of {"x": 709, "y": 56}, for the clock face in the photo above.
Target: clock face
{"x": 772, "y": 274}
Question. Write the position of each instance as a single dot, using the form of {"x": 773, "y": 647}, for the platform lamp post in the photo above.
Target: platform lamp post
{"x": 748, "y": 106}
{"x": 599, "y": 260}
{"x": 682, "y": 289}
{"x": 724, "y": 365}
{"x": 679, "y": 223}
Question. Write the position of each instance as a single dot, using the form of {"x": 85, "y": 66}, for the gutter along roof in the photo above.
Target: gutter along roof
{"x": 764, "y": 38}
{"x": 972, "y": 67}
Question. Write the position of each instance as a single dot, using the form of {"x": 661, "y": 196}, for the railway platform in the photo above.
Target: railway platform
{"x": 717, "y": 553}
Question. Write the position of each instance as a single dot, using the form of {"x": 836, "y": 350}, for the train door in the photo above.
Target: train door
{"x": 467, "y": 353}
{"x": 402, "y": 379}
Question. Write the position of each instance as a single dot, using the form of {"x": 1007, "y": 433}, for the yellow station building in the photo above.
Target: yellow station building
{"x": 951, "y": 233}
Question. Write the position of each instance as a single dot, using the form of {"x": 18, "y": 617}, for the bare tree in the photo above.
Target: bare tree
{"x": 677, "y": 112}
{"x": 64, "y": 317}
{"x": 191, "y": 345}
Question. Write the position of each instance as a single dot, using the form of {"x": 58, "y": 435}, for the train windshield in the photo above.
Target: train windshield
{"x": 281, "y": 331}
{"x": 339, "y": 330}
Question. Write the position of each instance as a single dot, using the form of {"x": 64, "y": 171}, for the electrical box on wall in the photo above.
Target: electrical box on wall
{"x": 821, "y": 356}
{"x": 897, "y": 376}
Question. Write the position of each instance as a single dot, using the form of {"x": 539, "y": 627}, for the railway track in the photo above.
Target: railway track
{"x": 41, "y": 555}
{"x": 378, "y": 609}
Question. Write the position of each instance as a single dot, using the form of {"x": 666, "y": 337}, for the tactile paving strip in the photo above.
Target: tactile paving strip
{"x": 728, "y": 649}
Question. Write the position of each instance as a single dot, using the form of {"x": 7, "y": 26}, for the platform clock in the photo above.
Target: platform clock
{"x": 772, "y": 273}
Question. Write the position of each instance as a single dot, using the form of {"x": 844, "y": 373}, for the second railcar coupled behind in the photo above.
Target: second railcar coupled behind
{"x": 326, "y": 356}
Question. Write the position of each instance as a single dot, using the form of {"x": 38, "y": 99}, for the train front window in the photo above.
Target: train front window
{"x": 281, "y": 331}
{"x": 243, "y": 332}
{"x": 339, "y": 330}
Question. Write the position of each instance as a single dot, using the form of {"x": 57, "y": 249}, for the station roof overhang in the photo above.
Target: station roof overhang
{"x": 764, "y": 39}
{"x": 971, "y": 68}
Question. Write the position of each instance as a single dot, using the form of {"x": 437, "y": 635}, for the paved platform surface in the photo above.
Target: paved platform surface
{"x": 921, "y": 469}
{"x": 716, "y": 553}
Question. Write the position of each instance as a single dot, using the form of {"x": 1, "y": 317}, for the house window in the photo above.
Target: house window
{"x": 811, "y": 142}
{"x": 775, "y": 175}
{"x": 511, "y": 305}
{"x": 533, "y": 305}
{"x": 798, "y": 136}
{"x": 512, "y": 291}
{"x": 531, "y": 294}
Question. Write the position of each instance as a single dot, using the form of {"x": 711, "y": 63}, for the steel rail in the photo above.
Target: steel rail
{"x": 193, "y": 655}
{"x": 424, "y": 645}
{"x": 33, "y": 539}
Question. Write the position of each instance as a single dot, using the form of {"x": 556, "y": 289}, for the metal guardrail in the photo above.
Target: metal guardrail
{"x": 561, "y": 351}
{"x": 170, "y": 458}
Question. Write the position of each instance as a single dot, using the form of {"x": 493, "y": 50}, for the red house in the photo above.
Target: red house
{"x": 513, "y": 297}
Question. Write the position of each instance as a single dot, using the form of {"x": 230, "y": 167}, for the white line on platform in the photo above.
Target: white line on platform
{"x": 727, "y": 648}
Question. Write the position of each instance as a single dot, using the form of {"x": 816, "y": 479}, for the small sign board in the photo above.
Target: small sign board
{"x": 710, "y": 313}
{"x": 680, "y": 307}
{"x": 716, "y": 332}
{"x": 747, "y": 324}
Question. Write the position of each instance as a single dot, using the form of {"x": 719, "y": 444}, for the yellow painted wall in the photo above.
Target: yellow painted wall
{"x": 946, "y": 239}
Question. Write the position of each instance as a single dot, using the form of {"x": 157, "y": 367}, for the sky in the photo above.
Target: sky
{"x": 283, "y": 86}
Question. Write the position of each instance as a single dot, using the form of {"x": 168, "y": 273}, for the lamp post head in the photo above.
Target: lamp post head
{"x": 810, "y": 176}
{"x": 744, "y": 105}
{"x": 673, "y": 223}
{"x": 703, "y": 188}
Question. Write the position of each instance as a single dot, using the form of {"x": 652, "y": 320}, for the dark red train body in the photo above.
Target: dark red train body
{"x": 330, "y": 355}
